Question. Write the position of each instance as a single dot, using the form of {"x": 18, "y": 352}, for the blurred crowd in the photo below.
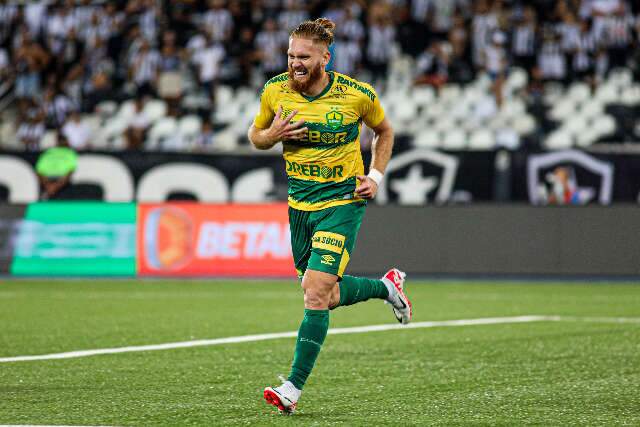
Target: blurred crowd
{"x": 62, "y": 58}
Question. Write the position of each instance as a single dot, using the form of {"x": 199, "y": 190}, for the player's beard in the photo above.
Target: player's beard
{"x": 314, "y": 74}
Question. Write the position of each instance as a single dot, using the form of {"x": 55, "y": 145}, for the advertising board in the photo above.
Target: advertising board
{"x": 190, "y": 239}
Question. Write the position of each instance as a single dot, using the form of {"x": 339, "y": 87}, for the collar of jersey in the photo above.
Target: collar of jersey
{"x": 325, "y": 90}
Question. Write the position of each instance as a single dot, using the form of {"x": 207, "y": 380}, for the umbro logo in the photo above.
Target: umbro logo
{"x": 328, "y": 259}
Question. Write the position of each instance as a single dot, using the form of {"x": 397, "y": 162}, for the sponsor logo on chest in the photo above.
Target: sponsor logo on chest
{"x": 310, "y": 169}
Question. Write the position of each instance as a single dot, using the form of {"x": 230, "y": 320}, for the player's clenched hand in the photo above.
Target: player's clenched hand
{"x": 284, "y": 128}
{"x": 367, "y": 188}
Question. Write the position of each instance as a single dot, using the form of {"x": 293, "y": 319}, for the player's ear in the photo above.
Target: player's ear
{"x": 326, "y": 58}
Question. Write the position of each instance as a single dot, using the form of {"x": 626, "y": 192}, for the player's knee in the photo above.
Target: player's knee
{"x": 316, "y": 300}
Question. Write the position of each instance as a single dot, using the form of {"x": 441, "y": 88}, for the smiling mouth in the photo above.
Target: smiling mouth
{"x": 300, "y": 73}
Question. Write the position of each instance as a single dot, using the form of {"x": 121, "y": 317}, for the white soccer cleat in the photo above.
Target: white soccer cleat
{"x": 285, "y": 397}
{"x": 394, "y": 281}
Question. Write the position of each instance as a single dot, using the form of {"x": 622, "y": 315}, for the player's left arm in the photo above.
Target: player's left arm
{"x": 380, "y": 154}
{"x": 373, "y": 116}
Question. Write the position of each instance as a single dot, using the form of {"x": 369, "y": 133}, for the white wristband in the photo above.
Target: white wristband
{"x": 375, "y": 175}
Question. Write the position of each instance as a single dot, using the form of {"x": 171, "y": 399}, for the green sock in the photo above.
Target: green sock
{"x": 311, "y": 335}
{"x": 357, "y": 289}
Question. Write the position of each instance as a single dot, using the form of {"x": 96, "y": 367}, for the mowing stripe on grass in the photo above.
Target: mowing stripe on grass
{"x": 335, "y": 331}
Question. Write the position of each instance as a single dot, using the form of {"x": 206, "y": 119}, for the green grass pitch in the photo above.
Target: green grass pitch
{"x": 573, "y": 372}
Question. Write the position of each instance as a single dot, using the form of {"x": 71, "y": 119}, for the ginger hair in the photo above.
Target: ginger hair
{"x": 320, "y": 31}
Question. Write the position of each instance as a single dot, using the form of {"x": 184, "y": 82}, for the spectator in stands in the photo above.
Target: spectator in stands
{"x": 620, "y": 35}
{"x": 31, "y": 129}
{"x": 76, "y": 132}
{"x": 56, "y": 107}
{"x": 208, "y": 60}
{"x": 137, "y": 130}
{"x": 551, "y": 58}
{"x": 293, "y": 14}
{"x": 205, "y": 139}
{"x": 347, "y": 56}
{"x": 524, "y": 40}
{"x": 483, "y": 24}
{"x": 144, "y": 68}
{"x": 245, "y": 57}
{"x": 495, "y": 62}
{"x": 432, "y": 66}
{"x": 381, "y": 39}
{"x": 218, "y": 21}
{"x": 29, "y": 59}
{"x": 272, "y": 44}
{"x": 9, "y": 16}
{"x": 582, "y": 56}
{"x": 54, "y": 168}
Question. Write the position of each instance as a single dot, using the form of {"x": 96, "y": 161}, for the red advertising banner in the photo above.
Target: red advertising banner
{"x": 193, "y": 239}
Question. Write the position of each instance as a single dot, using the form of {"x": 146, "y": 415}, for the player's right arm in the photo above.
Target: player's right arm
{"x": 280, "y": 129}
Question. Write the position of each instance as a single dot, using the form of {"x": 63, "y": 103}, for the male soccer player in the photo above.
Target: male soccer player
{"x": 328, "y": 190}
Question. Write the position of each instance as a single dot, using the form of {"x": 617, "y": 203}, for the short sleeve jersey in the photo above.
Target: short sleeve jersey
{"x": 322, "y": 167}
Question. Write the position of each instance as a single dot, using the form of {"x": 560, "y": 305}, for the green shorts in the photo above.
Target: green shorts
{"x": 324, "y": 240}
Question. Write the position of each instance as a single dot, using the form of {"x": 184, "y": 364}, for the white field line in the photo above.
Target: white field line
{"x": 335, "y": 331}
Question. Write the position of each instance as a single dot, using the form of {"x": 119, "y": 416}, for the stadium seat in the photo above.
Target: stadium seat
{"x": 8, "y": 137}
{"x": 631, "y": 95}
{"x": 513, "y": 108}
{"x": 163, "y": 130}
{"x": 226, "y": 140}
{"x": 422, "y": 95}
{"x": 604, "y": 125}
{"x": 517, "y": 79}
{"x": 445, "y": 123}
{"x": 621, "y": 77}
{"x": 224, "y": 95}
{"x": 591, "y": 108}
{"x": 575, "y": 124}
{"x": 586, "y": 137}
{"x": 553, "y": 92}
{"x": 111, "y": 133}
{"x": 559, "y": 139}
{"x": 48, "y": 140}
{"x": 507, "y": 138}
{"x": 92, "y": 122}
{"x": 189, "y": 128}
{"x": 482, "y": 139}
{"x": 562, "y": 110}
{"x": 428, "y": 138}
{"x": 607, "y": 93}
{"x": 449, "y": 93}
{"x": 155, "y": 109}
{"x": 106, "y": 108}
{"x": 579, "y": 92}
{"x": 455, "y": 139}
{"x": 127, "y": 110}
{"x": 406, "y": 110}
{"x": 433, "y": 112}
{"x": 524, "y": 124}
{"x": 227, "y": 114}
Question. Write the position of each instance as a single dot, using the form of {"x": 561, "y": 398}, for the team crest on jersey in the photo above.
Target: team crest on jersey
{"x": 334, "y": 118}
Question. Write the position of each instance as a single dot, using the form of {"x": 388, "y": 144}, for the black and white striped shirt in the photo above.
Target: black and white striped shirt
{"x": 552, "y": 61}
{"x": 381, "y": 41}
{"x": 583, "y": 57}
{"x": 219, "y": 23}
{"x": 524, "y": 40}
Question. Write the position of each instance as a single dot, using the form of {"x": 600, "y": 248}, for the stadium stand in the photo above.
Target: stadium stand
{"x": 452, "y": 74}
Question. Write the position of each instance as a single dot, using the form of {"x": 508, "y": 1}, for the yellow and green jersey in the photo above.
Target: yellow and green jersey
{"x": 322, "y": 167}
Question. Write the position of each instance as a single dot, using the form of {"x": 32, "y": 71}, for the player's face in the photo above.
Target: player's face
{"x": 306, "y": 64}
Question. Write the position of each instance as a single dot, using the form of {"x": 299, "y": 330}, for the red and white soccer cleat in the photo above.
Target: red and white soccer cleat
{"x": 285, "y": 397}
{"x": 394, "y": 281}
